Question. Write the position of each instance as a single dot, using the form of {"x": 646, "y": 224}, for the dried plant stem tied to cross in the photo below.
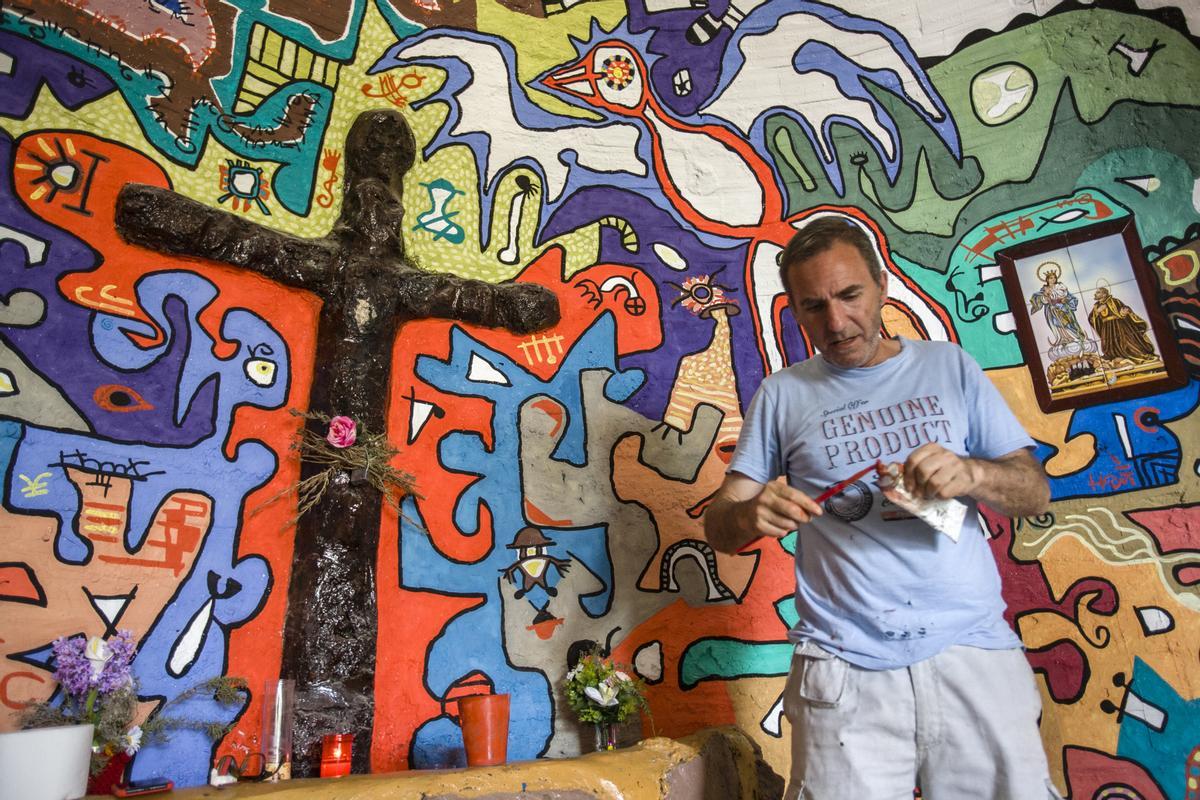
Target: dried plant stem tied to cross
{"x": 346, "y": 447}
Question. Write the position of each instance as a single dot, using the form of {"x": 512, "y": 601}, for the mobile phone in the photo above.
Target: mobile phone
{"x": 144, "y": 786}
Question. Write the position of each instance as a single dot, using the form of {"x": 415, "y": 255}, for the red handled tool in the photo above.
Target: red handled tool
{"x": 832, "y": 491}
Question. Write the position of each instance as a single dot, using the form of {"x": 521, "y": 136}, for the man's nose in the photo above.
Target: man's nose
{"x": 835, "y": 317}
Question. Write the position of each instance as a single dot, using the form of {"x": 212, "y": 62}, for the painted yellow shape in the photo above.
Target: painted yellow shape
{"x": 332, "y": 70}
{"x": 545, "y": 43}
{"x": 287, "y": 59}
{"x": 36, "y": 486}
{"x": 263, "y": 73}
{"x": 304, "y": 62}
{"x": 897, "y": 324}
{"x": 251, "y": 84}
{"x": 1073, "y": 455}
{"x": 272, "y": 46}
{"x": 632, "y": 773}
{"x": 257, "y": 36}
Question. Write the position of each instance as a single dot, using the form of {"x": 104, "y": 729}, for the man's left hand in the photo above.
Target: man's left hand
{"x": 931, "y": 471}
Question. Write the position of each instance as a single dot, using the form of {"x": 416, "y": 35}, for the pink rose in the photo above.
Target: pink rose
{"x": 342, "y": 432}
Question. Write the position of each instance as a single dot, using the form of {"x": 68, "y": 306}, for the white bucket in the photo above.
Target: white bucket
{"x": 45, "y": 763}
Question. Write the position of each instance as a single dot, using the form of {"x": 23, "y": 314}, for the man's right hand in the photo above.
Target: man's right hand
{"x": 744, "y": 510}
{"x": 779, "y": 509}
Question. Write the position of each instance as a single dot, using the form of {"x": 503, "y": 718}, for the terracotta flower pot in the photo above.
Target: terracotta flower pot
{"x": 485, "y": 728}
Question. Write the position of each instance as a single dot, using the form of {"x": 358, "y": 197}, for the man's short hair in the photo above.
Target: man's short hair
{"x": 822, "y": 234}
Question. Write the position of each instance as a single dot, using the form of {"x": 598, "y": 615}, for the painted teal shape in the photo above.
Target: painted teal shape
{"x": 1159, "y": 728}
{"x": 976, "y": 255}
{"x": 1157, "y": 188}
{"x": 292, "y": 182}
{"x": 722, "y": 658}
{"x": 399, "y": 25}
{"x": 970, "y": 306}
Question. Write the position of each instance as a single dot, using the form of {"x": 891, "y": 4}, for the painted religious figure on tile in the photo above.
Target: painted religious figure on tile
{"x": 1058, "y": 306}
{"x": 1122, "y": 332}
{"x": 1090, "y": 328}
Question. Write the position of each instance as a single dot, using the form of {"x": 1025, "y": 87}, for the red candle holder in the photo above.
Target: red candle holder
{"x": 335, "y": 754}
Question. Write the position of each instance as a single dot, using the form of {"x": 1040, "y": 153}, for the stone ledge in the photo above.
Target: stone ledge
{"x": 714, "y": 764}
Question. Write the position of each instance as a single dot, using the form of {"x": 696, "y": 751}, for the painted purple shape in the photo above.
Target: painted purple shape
{"x": 683, "y": 332}
{"x": 59, "y": 346}
{"x": 73, "y": 82}
{"x": 672, "y": 50}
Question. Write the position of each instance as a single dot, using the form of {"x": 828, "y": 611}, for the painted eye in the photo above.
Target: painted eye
{"x": 701, "y": 295}
{"x": 115, "y": 397}
{"x": 8, "y": 384}
{"x": 261, "y": 371}
{"x": 618, "y": 77}
{"x": 77, "y": 78}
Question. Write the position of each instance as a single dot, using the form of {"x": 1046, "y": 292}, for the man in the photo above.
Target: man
{"x": 904, "y": 669}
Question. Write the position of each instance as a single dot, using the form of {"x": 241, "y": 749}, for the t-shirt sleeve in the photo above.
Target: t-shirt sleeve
{"x": 993, "y": 429}
{"x": 757, "y": 455}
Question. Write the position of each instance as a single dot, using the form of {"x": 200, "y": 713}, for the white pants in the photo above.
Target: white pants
{"x": 963, "y": 724}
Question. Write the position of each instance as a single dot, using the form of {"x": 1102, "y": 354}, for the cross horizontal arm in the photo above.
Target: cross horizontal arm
{"x": 517, "y": 307}
{"x": 171, "y": 223}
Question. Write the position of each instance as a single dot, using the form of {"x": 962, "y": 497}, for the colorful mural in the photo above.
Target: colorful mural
{"x": 646, "y": 161}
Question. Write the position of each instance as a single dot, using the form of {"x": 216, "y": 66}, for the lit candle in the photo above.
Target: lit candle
{"x": 335, "y": 754}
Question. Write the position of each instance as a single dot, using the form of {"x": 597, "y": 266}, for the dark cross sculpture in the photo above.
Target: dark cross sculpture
{"x": 368, "y": 289}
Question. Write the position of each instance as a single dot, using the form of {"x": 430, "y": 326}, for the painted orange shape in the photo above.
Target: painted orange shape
{"x": 1180, "y": 267}
{"x": 18, "y": 585}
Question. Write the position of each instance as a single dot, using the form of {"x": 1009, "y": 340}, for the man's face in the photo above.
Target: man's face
{"x": 834, "y": 297}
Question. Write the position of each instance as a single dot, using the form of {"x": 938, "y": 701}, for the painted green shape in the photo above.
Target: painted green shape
{"x": 788, "y": 543}
{"x": 729, "y": 659}
{"x": 1165, "y": 206}
{"x": 929, "y": 176}
{"x": 783, "y": 146}
{"x": 1072, "y": 146}
{"x": 1062, "y": 50}
{"x": 931, "y": 183}
{"x": 548, "y": 42}
{"x": 1069, "y": 47}
{"x": 972, "y": 307}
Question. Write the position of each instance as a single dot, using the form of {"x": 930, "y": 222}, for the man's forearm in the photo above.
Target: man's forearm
{"x": 725, "y": 528}
{"x": 1015, "y": 487}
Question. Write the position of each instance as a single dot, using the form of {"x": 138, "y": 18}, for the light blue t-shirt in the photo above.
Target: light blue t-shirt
{"x": 874, "y": 585}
